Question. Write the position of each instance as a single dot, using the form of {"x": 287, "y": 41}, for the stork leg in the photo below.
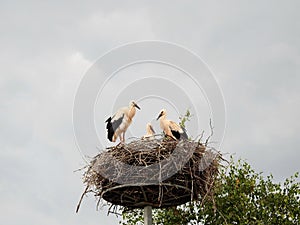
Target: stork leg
{"x": 123, "y": 137}
{"x": 120, "y": 137}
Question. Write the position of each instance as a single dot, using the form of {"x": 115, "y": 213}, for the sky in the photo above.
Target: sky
{"x": 252, "y": 47}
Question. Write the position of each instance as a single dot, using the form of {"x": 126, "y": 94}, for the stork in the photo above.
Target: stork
{"x": 150, "y": 131}
{"x": 171, "y": 128}
{"x": 118, "y": 124}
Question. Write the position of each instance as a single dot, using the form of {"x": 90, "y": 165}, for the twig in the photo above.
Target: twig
{"x": 79, "y": 203}
{"x": 211, "y": 132}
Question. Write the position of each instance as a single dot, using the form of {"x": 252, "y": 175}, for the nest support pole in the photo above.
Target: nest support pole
{"x": 148, "y": 215}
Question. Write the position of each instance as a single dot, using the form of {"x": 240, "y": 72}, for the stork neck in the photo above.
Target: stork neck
{"x": 161, "y": 119}
{"x": 131, "y": 112}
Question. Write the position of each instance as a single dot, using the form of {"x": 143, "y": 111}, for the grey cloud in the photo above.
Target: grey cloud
{"x": 46, "y": 47}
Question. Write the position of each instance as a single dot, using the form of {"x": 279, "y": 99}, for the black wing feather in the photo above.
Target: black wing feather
{"x": 112, "y": 126}
{"x": 178, "y": 134}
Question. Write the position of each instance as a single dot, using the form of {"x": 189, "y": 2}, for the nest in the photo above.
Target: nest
{"x": 158, "y": 172}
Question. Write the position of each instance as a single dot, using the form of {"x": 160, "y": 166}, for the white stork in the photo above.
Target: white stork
{"x": 117, "y": 124}
{"x": 150, "y": 131}
{"x": 171, "y": 128}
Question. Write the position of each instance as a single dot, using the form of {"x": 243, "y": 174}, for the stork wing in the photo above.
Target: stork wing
{"x": 113, "y": 124}
{"x": 116, "y": 121}
{"x": 177, "y": 131}
{"x": 174, "y": 126}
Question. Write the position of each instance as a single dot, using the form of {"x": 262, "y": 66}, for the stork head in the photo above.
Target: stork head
{"x": 163, "y": 112}
{"x": 133, "y": 104}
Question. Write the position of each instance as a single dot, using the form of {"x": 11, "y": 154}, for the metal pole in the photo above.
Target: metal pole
{"x": 148, "y": 215}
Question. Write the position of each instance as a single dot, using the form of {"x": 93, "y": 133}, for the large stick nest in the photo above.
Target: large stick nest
{"x": 158, "y": 172}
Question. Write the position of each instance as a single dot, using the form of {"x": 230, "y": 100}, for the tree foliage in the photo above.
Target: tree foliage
{"x": 185, "y": 118}
{"x": 241, "y": 196}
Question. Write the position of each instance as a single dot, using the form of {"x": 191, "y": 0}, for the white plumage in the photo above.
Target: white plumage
{"x": 150, "y": 131}
{"x": 120, "y": 121}
{"x": 170, "y": 128}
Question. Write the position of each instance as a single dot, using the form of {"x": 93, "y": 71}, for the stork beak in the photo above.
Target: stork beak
{"x": 158, "y": 116}
{"x": 137, "y": 106}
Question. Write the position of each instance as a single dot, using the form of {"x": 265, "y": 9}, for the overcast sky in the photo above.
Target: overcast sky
{"x": 253, "y": 48}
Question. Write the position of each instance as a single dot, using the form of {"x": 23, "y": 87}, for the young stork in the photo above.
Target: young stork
{"x": 117, "y": 124}
{"x": 171, "y": 128}
{"x": 150, "y": 131}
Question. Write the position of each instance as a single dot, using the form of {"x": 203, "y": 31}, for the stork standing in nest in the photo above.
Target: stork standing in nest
{"x": 118, "y": 124}
{"x": 150, "y": 132}
{"x": 171, "y": 128}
